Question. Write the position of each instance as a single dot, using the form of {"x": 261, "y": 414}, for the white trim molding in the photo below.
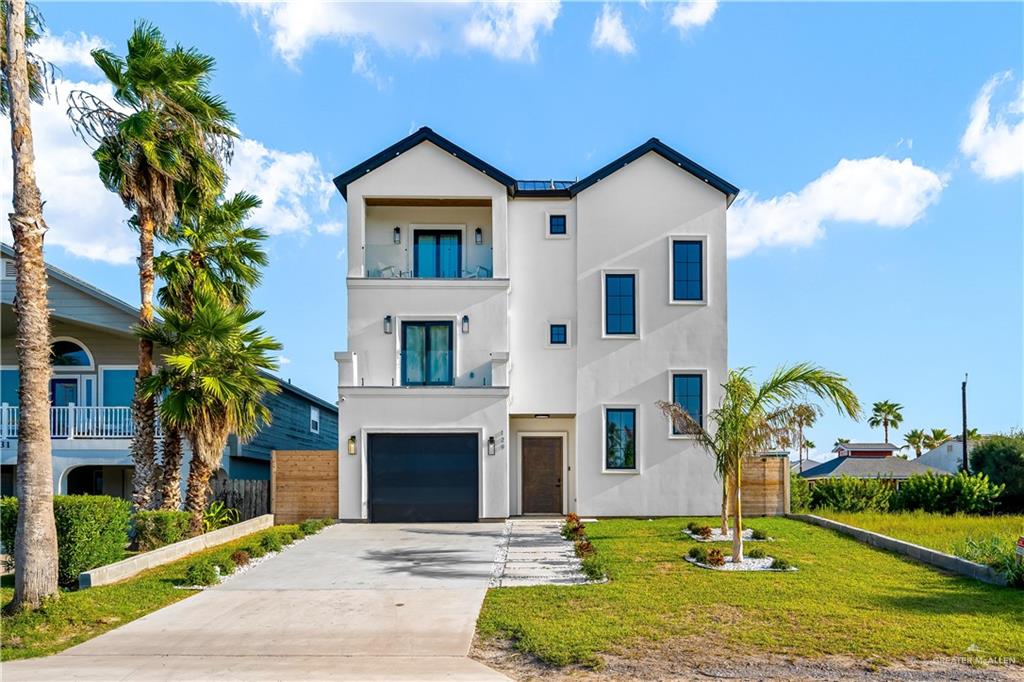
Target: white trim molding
{"x": 703, "y": 398}
{"x": 564, "y": 435}
{"x": 638, "y": 463}
{"x": 637, "y": 327}
{"x": 703, "y": 239}
{"x": 547, "y": 225}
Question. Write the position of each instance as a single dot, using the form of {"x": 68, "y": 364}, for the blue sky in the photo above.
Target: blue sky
{"x": 880, "y": 233}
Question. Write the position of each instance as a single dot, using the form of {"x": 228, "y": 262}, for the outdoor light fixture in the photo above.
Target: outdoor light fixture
{"x": 398, "y": 234}
{"x": 541, "y": 416}
{"x": 479, "y": 236}
{"x": 490, "y": 445}
{"x": 351, "y": 445}
{"x": 387, "y": 324}
{"x": 465, "y": 324}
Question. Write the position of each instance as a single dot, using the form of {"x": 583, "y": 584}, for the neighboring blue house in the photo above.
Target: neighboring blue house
{"x": 94, "y": 364}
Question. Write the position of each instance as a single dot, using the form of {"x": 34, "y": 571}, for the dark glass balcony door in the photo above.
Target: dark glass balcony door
{"x": 437, "y": 253}
{"x": 427, "y": 357}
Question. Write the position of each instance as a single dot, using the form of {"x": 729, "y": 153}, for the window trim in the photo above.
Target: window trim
{"x": 637, "y": 463}
{"x": 547, "y": 225}
{"x": 671, "y": 398}
{"x": 313, "y": 409}
{"x": 672, "y": 239}
{"x": 91, "y": 367}
{"x": 636, "y": 303}
{"x": 568, "y": 334}
{"x": 452, "y": 361}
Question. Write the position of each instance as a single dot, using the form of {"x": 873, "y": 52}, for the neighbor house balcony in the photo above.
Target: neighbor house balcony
{"x": 71, "y": 422}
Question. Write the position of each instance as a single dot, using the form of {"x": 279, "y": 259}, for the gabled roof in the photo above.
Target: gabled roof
{"x": 867, "y": 467}
{"x": 534, "y": 188}
{"x": 879, "y": 447}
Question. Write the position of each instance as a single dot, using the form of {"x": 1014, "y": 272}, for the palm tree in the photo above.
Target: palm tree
{"x": 216, "y": 256}
{"x": 168, "y": 138}
{"x": 915, "y": 438}
{"x": 973, "y": 434}
{"x": 935, "y": 438}
{"x": 886, "y": 414}
{"x": 751, "y": 417}
{"x": 804, "y": 416}
{"x": 809, "y": 444}
{"x": 840, "y": 441}
{"x": 35, "y": 540}
{"x": 214, "y": 376}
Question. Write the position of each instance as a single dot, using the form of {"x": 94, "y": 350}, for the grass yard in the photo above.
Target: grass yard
{"x": 83, "y": 614}
{"x": 846, "y": 599}
{"x": 936, "y": 531}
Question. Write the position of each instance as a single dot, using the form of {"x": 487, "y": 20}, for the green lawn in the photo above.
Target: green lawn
{"x": 847, "y": 598}
{"x": 83, "y": 614}
{"x": 936, "y": 531}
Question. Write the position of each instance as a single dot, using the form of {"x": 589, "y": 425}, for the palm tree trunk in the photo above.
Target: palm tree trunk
{"x": 170, "y": 482}
{"x": 35, "y": 543}
{"x": 885, "y": 427}
{"x": 725, "y": 506}
{"x": 143, "y": 447}
{"x": 199, "y": 473}
{"x": 737, "y": 514}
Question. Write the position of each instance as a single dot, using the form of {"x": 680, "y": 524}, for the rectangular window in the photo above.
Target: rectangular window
{"x": 437, "y": 253}
{"x": 558, "y": 334}
{"x": 427, "y": 357}
{"x": 314, "y": 419}
{"x": 687, "y": 270}
{"x": 118, "y": 387}
{"x": 620, "y": 304}
{"x": 556, "y": 224}
{"x": 688, "y": 393}
{"x": 620, "y": 438}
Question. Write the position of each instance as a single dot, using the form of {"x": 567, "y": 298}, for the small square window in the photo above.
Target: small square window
{"x": 558, "y": 334}
{"x": 314, "y": 419}
{"x": 556, "y": 224}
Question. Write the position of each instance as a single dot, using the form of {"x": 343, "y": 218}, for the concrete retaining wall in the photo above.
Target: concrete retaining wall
{"x": 946, "y": 562}
{"x": 126, "y": 568}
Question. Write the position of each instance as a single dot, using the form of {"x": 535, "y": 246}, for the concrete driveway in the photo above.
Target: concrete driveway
{"x": 356, "y": 601}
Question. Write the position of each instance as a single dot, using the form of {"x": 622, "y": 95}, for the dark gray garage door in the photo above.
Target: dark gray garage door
{"x": 423, "y": 477}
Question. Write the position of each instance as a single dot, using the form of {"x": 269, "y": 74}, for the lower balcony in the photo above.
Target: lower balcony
{"x": 72, "y": 422}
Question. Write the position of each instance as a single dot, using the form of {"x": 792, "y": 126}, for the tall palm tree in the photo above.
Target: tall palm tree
{"x": 804, "y": 416}
{"x": 809, "y": 444}
{"x": 214, "y": 376}
{"x": 751, "y": 417}
{"x": 166, "y": 138}
{"x": 886, "y": 414}
{"x": 840, "y": 441}
{"x": 915, "y": 438}
{"x": 214, "y": 255}
{"x": 35, "y": 543}
{"x": 935, "y": 438}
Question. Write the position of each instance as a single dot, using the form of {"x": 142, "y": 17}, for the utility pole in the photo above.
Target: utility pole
{"x": 963, "y": 404}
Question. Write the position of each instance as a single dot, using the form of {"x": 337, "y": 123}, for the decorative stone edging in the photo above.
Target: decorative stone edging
{"x": 748, "y": 564}
{"x": 716, "y": 536}
{"x": 946, "y": 562}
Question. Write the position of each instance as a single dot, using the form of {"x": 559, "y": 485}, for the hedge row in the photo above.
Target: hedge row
{"x": 938, "y": 493}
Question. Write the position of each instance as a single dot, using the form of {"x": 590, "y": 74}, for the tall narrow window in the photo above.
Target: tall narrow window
{"x": 427, "y": 358}
{"x": 437, "y": 253}
{"x": 687, "y": 270}
{"x": 620, "y": 304}
{"x": 314, "y": 419}
{"x": 620, "y": 438}
{"x": 556, "y": 225}
{"x": 688, "y": 393}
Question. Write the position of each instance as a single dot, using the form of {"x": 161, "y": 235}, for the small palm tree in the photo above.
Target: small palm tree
{"x": 840, "y": 441}
{"x": 886, "y": 414}
{"x": 215, "y": 379}
{"x": 804, "y": 416}
{"x": 973, "y": 434}
{"x": 809, "y": 444}
{"x": 166, "y": 140}
{"x": 935, "y": 438}
{"x": 751, "y": 417}
{"x": 915, "y": 438}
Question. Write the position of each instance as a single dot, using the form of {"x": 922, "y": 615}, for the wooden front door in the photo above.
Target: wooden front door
{"x": 542, "y": 474}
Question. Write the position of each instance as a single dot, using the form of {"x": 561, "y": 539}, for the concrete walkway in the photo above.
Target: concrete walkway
{"x": 534, "y": 553}
{"x": 356, "y": 601}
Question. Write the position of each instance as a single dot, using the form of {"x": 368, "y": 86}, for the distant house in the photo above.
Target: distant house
{"x": 808, "y": 463}
{"x": 94, "y": 358}
{"x": 949, "y": 456}
{"x": 866, "y": 460}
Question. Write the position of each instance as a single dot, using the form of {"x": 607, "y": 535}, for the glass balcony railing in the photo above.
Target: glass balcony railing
{"x": 393, "y": 261}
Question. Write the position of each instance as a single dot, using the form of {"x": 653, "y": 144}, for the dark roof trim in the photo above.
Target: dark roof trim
{"x": 427, "y": 135}
{"x": 422, "y": 135}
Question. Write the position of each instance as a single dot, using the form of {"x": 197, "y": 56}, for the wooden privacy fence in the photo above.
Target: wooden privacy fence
{"x": 251, "y": 498}
{"x": 304, "y": 485}
{"x": 766, "y": 485}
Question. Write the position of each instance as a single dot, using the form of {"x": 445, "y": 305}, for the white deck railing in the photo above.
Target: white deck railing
{"x": 73, "y": 421}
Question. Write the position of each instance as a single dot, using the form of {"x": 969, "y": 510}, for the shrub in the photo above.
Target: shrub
{"x": 946, "y": 494}
{"x": 584, "y": 548}
{"x": 271, "y": 542}
{"x": 848, "y": 494}
{"x": 756, "y": 553}
{"x": 201, "y": 572}
{"x": 311, "y": 526}
{"x": 781, "y": 564}
{"x": 704, "y": 532}
{"x": 92, "y": 530}
{"x": 997, "y": 552}
{"x": 693, "y": 526}
{"x": 225, "y": 566}
{"x": 1001, "y": 458}
{"x": 715, "y": 557}
{"x": 799, "y": 493}
{"x": 158, "y": 528}
{"x": 758, "y": 534}
{"x": 594, "y": 567}
{"x": 255, "y": 550}
{"x": 698, "y": 553}
{"x": 218, "y": 515}
{"x": 240, "y": 557}
{"x": 573, "y": 528}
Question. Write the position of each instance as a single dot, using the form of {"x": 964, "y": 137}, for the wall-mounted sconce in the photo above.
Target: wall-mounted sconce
{"x": 490, "y": 445}
{"x": 465, "y": 324}
{"x": 351, "y": 445}
{"x": 387, "y": 324}
{"x": 398, "y": 234}
{"x": 478, "y": 236}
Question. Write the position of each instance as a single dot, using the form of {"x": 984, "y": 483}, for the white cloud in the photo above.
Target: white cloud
{"x": 331, "y": 227}
{"x": 508, "y": 30}
{"x": 611, "y": 33}
{"x": 878, "y": 190}
{"x": 69, "y": 50}
{"x": 692, "y": 14}
{"x": 362, "y": 65}
{"x": 995, "y": 145}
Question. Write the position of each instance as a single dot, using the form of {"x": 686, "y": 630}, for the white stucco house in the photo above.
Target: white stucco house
{"x": 508, "y": 339}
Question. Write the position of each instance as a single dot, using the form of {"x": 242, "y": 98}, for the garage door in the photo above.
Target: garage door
{"x": 423, "y": 477}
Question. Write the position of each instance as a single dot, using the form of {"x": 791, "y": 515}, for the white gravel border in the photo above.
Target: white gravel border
{"x": 253, "y": 562}
{"x": 747, "y": 564}
{"x": 716, "y": 536}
